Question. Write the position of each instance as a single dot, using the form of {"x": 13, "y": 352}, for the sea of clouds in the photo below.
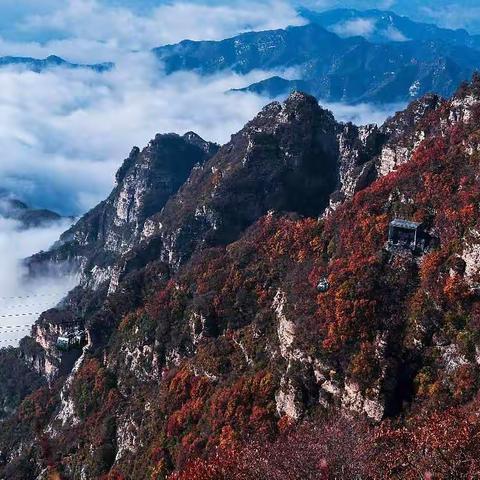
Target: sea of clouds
{"x": 67, "y": 131}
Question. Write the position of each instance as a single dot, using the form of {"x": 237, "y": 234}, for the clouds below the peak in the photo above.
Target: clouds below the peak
{"x": 368, "y": 28}
{"x": 65, "y": 132}
{"x": 36, "y": 295}
{"x": 360, "y": 26}
{"x": 68, "y": 130}
{"x": 363, "y": 113}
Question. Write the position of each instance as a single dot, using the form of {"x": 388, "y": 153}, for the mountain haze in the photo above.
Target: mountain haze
{"x": 40, "y": 65}
{"x": 381, "y": 26}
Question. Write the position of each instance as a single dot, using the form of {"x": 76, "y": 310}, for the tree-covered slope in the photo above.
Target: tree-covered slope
{"x": 225, "y": 359}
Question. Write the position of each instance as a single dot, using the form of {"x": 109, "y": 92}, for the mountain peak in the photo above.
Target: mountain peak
{"x": 297, "y": 98}
{"x": 194, "y": 139}
{"x": 144, "y": 183}
{"x": 298, "y": 107}
{"x": 55, "y": 59}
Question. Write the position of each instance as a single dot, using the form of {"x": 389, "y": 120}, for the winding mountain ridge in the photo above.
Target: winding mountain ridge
{"x": 256, "y": 319}
{"x": 334, "y": 69}
{"x": 41, "y": 65}
{"x": 27, "y": 217}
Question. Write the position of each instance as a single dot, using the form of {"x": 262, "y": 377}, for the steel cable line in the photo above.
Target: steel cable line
{"x": 16, "y": 338}
{"x": 29, "y": 305}
{"x": 10, "y": 327}
{"x": 17, "y": 330}
{"x": 39, "y": 295}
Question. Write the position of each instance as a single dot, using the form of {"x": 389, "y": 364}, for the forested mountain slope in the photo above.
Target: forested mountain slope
{"x": 263, "y": 303}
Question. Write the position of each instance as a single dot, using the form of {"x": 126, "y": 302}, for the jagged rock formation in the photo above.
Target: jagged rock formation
{"x": 213, "y": 329}
{"x": 146, "y": 180}
{"x": 286, "y": 159}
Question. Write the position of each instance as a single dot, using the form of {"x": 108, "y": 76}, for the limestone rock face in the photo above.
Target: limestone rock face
{"x": 428, "y": 116}
{"x": 358, "y": 148}
{"x": 405, "y": 131}
{"x": 146, "y": 180}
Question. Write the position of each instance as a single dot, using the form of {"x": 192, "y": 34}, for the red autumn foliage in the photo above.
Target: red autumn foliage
{"x": 441, "y": 446}
{"x": 213, "y": 415}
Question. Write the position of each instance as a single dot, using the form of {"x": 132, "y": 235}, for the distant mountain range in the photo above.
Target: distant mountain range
{"x": 379, "y": 26}
{"x": 40, "y": 65}
{"x": 395, "y": 60}
{"x": 341, "y": 55}
{"x": 26, "y": 216}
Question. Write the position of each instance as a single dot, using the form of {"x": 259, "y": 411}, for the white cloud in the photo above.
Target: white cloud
{"x": 364, "y": 27}
{"x": 363, "y": 113}
{"x": 394, "y": 34}
{"x": 367, "y": 28}
{"x": 65, "y": 132}
{"x": 89, "y": 30}
{"x": 16, "y": 313}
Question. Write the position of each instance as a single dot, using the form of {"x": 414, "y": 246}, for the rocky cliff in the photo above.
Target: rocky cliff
{"x": 146, "y": 180}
